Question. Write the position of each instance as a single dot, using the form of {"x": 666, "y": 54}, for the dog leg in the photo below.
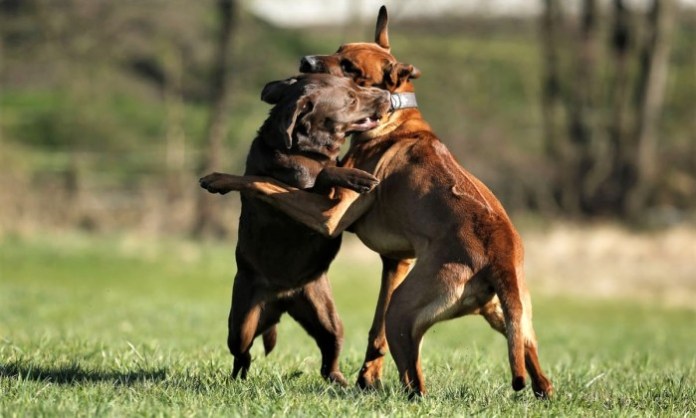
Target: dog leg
{"x": 493, "y": 314}
{"x": 435, "y": 290}
{"x": 268, "y": 319}
{"x": 270, "y": 338}
{"x": 393, "y": 273}
{"x": 242, "y": 323}
{"x": 415, "y": 306}
{"x": 328, "y": 216}
{"x": 541, "y": 385}
{"x": 405, "y": 347}
{"x": 505, "y": 281}
{"x": 314, "y": 309}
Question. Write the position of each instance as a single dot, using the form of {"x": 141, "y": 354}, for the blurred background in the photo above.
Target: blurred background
{"x": 116, "y": 267}
{"x": 110, "y": 111}
{"x": 575, "y": 113}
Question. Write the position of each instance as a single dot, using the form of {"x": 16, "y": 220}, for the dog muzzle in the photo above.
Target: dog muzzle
{"x": 402, "y": 101}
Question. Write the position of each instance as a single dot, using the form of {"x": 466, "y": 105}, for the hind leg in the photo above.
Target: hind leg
{"x": 405, "y": 342}
{"x": 493, "y": 313}
{"x": 250, "y": 315}
{"x": 429, "y": 294}
{"x": 393, "y": 273}
{"x": 505, "y": 283}
{"x": 242, "y": 322}
{"x": 314, "y": 309}
{"x": 541, "y": 385}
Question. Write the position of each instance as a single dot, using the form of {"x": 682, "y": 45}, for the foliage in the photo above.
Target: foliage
{"x": 117, "y": 74}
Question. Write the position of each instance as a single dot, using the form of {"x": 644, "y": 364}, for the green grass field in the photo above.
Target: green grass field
{"x": 122, "y": 326}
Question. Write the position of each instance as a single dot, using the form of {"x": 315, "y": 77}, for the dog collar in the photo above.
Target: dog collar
{"x": 403, "y": 100}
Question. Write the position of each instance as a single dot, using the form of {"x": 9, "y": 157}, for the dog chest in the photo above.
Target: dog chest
{"x": 377, "y": 236}
{"x": 280, "y": 249}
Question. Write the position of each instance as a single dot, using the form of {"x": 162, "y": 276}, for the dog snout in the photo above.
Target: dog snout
{"x": 309, "y": 64}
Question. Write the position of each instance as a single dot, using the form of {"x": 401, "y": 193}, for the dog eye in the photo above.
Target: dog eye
{"x": 348, "y": 68}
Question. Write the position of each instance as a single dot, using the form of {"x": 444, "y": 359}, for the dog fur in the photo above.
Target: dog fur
{"x": 282, "y": 264}
{"x": 426, "y": 207}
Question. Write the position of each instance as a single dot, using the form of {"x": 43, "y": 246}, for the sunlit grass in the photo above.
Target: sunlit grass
{"x": 122, "y": 326}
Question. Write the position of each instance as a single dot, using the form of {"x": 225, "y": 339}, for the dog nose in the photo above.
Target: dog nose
{"x": 308, "y": 64}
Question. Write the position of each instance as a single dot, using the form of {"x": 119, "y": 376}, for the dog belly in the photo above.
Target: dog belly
{"x": 281, "y": 252}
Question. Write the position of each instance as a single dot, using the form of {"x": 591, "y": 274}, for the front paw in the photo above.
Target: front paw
{"x": 361, "y": 181}
{"x": 215, "y": 183}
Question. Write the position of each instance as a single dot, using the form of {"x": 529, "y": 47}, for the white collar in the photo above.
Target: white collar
{"x": 403, "y": 100}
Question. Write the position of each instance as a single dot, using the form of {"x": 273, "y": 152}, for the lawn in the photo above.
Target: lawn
{"x": 121, "y": 325}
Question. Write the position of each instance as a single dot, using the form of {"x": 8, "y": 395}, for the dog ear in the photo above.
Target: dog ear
{"x": 274, "y": 91}
{"x": 303, "y": 105}
{"x": 395, "y": 74}
{"x": 413, "y": 72}
{"x": 381, "y": 33}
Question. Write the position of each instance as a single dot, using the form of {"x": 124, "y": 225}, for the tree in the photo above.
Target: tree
{"x": 208, "y": 219}
{"x": 605, "y": 163}
{"x": 654, "y": 65}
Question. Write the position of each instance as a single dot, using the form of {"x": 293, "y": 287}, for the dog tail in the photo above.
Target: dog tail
{"x": 269, "y": 339}
{"x": 509, "y": 286}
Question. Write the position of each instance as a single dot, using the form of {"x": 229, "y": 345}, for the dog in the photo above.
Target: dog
{"x": 282, "y": 264}
{"x": 426, "y": 207}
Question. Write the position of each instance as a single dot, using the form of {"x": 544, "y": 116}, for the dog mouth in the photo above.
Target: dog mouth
{"x": 365, "y": 124}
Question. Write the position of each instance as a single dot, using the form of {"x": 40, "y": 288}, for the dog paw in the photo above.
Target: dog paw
{"x": 361, "y": 181}
{"x": 518, "y": 383}
{"x": 215, "y": 183}
{"x": 337, "y": 377}
{"x": 241, "y": 367}
{"x": 347, "y": 177}
{"x": 370, "y": 376}
{"x": 543, "y": 389}
{"x": 368, "y": 383}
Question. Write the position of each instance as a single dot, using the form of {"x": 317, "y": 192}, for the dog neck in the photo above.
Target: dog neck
{"x": 406, "y": 120}
{"x": 403, "y": 100}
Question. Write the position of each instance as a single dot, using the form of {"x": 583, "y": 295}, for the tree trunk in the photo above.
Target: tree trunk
{"x": 573, "y": 153}
{"x": 208, "y": 218}
{"x": 583, "y": 120}
{"x": 619, "y": 140}
{"x": 555, "y": 145}
{"x": 649, "y": 99}
{"x": 175, "y": 148}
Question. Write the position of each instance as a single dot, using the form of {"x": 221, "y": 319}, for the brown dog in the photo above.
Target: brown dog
{"x": 282, "y": 264}
{"x": 470, "y": 257}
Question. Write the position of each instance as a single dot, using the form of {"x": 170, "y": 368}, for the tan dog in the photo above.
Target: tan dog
{"x": 426, "y": 207}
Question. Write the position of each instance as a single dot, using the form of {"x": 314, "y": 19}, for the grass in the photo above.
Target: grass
{"x": 97, "y": 326}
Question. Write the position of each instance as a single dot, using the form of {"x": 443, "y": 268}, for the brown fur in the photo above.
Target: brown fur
{"x": 426, "y": 207}
{"x": 282, "y": 264}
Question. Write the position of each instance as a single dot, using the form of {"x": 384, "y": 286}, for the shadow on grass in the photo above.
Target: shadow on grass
{"x": 75, "y": 374}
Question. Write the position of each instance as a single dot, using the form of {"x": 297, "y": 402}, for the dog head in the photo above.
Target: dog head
{"x": 368, "y": 64}
{"x": 315, "y": 112}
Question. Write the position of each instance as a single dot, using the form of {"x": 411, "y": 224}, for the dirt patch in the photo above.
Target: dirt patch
{"x": 610, "y": 261}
